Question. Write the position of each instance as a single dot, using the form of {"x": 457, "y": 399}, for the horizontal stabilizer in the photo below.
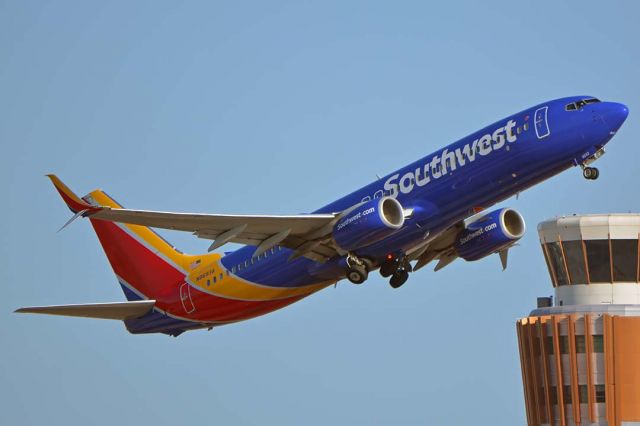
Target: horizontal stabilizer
{"x": 116, "y": 311}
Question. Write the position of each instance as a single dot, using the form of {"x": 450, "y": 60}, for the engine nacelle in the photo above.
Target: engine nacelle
{"x": 490, "y": 233}
{"x": 368, "y": 223}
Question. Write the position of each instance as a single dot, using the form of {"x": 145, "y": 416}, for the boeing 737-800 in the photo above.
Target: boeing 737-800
{"x": 434, "y": 209}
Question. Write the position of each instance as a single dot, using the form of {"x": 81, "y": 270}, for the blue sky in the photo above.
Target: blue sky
{"x": 276, "y": 107}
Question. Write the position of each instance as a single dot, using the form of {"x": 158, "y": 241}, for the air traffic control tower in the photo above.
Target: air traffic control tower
{"x": 580, "y": 350}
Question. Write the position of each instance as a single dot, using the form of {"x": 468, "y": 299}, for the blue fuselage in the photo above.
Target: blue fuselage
{"x": 450, "y": 184}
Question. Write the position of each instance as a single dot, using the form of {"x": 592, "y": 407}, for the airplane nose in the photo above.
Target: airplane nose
{"x": 615, "y": 115}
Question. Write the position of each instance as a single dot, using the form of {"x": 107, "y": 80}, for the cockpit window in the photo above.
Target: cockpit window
{"x": 573, "y": 106}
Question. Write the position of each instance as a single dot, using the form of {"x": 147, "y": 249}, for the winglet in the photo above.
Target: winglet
{"x": 75, "y": 203}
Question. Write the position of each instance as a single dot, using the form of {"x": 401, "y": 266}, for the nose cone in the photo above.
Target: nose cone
{"x": 615, "y": 114}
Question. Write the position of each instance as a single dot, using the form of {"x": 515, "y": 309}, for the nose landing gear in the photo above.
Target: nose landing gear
{"x": 590, "y": 173}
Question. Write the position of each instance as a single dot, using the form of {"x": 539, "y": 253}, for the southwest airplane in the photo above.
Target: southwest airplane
{"x": 432, "y": 209}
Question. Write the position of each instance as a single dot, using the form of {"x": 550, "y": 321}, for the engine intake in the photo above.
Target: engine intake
{"x": 489, "y": 234}
{"x": 368, "y": 223}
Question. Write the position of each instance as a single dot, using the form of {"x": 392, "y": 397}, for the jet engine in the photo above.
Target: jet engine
{"x": 489, "y": 234}
{"x": 368, "y": 223}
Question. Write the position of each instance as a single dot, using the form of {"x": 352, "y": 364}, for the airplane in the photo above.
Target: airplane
{"x": 434, "y": 209}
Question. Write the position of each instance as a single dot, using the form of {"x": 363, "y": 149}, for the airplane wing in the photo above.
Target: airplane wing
{"x": 441, "y": 247}
{"x": 308, "y": 234}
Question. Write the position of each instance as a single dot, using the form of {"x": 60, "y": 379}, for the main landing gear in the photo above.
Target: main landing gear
{"x": 397, "y": 268}
{"x": 590, "y": 173}
{"x": 357, "y": 271}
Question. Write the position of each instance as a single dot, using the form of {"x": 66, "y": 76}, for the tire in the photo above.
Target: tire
{"x": 398, "y": 279}
{"x": 596, "y": 174}
{"x": 357, "y": 274}
{"x": 588, "y": 173}
{"x": 387, "y": 269}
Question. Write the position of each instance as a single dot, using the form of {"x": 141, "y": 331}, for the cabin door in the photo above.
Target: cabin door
{"x": 542, "y": 125}
{"x": 185, "y": 298}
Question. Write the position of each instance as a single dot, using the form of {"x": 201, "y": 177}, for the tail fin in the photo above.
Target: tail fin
{"x": 146, "y": 265}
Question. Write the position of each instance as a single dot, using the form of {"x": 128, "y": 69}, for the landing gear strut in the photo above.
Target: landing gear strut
{"x": 397, "y": 268}
{"x": 357, "y": 271}
{"x": 590, "y": 173}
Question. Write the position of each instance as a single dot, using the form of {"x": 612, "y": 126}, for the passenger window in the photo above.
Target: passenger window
{"x": 519, "y": 130}
{"x": 214, "y": 280}
{"x": 526, "y": 126}
{"x": 221, "y": 276}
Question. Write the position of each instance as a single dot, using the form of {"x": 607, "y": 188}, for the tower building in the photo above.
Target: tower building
{"x": 580, "y": 349}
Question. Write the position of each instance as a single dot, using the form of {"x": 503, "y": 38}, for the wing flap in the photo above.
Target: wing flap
{"x": 115, "y": 311}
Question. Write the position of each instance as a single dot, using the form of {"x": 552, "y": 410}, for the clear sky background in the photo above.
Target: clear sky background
{"x": 275, "y": 107}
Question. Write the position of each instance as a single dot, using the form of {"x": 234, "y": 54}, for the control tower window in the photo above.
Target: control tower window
{"x": 548, "y": 262}
{"x": 575, "y": 261}
{"x": 625, "y": 260}
{"x": 598, "y": 260}
{"x": 557, "y": 263}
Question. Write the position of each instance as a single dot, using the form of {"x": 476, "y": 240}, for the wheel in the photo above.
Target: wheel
{"x": 387, "y": 269}
{"x": 399, "y": 278}
{"x": 591, "y": 173}
{"x": 357, "y": 274}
